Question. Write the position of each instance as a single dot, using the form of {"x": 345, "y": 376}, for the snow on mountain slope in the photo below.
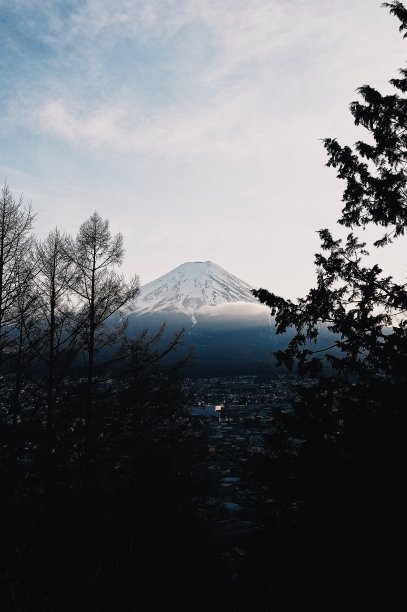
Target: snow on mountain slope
{"x": 191, "y": 286}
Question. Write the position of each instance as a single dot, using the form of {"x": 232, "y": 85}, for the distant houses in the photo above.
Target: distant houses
{"x": 210, "y": 410}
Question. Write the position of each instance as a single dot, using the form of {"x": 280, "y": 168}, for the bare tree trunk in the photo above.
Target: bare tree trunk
{"x": 50, "y": 398}
{"x": 16, "y": 401}
{"x": 91, "y": 362}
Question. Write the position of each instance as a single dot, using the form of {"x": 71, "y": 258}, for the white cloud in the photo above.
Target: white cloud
{"x": 203, "y": 113}
{"x": 225, "y": 126}
{"x": 270, "y": 59}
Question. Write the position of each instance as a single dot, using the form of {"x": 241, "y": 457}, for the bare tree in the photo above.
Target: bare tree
{"x": 24, "y": 310}
{"x": 144, "y": 355}
{"x": 15, "y": 278}
{"x": 55, "y": 336}
{"x": 102, "y": 293}
{"x": 15, "y": 225}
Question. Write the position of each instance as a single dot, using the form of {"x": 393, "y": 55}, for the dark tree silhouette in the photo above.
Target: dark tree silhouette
{"x": 54, "y": 339}
{"x": 19, "y": 353}
{"x": 342, "y": 452}
{"x": 15, "y": 225}
{"x": 92, "y": 433}
{"x": 365, "y": 309}
{"x": 15, "y": 280}
{"x": 145, "y": 389}
{"x": 102, "y": 293}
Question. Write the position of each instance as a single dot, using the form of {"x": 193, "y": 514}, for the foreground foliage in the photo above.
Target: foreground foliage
{"x": 92, "y": 446}
{"x": 343, "y": 450}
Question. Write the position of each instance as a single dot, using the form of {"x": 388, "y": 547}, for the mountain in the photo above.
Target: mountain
{"x": 192, "y": 286}
{"x": 229, "y": 331}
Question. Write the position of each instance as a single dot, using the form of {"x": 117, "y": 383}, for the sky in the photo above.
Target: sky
{"x": 194, "y": 126}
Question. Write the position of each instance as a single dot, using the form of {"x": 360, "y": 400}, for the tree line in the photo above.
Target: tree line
{"x": 89, "y": 415}
{"x": 58, "y": 298}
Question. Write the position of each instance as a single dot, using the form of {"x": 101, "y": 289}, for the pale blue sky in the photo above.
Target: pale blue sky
{"x": 193, "y": 125}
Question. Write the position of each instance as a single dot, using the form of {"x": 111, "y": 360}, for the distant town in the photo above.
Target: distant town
{"x": 233, "y": 420}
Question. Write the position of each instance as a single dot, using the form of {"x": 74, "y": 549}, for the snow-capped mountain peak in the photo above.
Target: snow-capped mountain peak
{"x": 191, "y": 286}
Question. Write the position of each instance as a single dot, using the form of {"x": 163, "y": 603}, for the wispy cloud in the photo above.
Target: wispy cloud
{"x": 215, "y": 104}
{"x": 180, "y": 77}
{"x": 226, "y": 125}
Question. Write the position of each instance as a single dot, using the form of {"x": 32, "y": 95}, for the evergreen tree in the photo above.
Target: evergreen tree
{"x": 343, "y": 450}
{"x": 365, "y": 309}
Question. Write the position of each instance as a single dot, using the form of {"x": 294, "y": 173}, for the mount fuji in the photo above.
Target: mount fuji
{"x": 229, "y": 331}
{"x": 194, "y": 289}
{"x": 227, "y": 328}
